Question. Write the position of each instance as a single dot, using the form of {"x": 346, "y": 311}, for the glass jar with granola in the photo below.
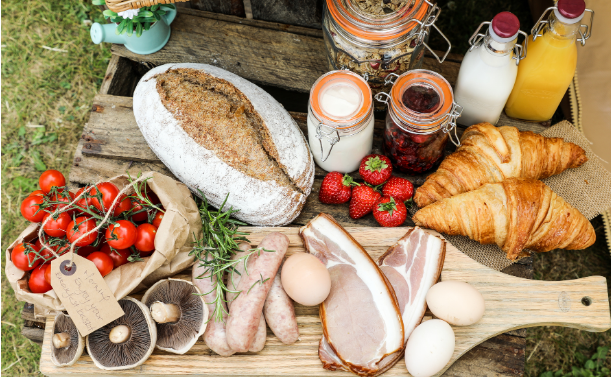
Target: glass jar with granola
{"x": 374, "y": 38}
{"x": 421, "y": 115}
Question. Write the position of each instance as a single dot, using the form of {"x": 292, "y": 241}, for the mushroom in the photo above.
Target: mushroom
{"x": 67, "y": 343}
{"x": 125, "y": 342}
{"x": 179, "y": 309}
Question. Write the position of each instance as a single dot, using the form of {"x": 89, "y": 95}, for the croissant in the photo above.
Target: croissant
{"x": 515, "y": 214}
{"x": 490, "y": 154}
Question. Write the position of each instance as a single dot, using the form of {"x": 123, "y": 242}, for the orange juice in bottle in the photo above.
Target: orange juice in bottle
{"x": 546, "y": 72}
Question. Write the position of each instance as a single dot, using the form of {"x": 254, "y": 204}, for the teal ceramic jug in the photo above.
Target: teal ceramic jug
{"x": 150, "y": 41}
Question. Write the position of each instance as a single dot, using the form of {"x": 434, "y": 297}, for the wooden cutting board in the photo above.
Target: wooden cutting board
{"x": 511, "y": 303}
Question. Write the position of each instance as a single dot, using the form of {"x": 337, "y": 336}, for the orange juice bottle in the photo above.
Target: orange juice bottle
{"x": 546, "y": 72}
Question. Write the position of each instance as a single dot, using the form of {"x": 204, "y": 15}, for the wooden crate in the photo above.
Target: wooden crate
{"x": 286, "y": 60}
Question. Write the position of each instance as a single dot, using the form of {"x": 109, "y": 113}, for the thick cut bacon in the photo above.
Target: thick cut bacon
{"x": 363, "y": 330}
{"x": 412, "y": 266}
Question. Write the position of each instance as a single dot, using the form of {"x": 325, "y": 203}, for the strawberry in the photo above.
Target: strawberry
{"x": 375, "y": 169}
{"x": 363, "y": 199}
{"x": 388, "y": 212}
{"x": 335, "y": 188}
{"x": 399, "y": 188}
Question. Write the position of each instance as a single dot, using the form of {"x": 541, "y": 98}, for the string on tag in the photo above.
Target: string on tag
{"x": 101, "y": 223}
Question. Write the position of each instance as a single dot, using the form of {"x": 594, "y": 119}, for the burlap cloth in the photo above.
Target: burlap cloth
{"x": 587, "y": 188}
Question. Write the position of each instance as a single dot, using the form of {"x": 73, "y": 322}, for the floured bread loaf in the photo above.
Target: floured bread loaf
{"x": 219, "y": 133}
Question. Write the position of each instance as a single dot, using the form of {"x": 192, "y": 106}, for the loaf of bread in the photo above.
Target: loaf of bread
{"x": 219, "y": 133}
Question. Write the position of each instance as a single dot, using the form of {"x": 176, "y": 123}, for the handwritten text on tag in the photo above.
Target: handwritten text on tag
{"x": 84, "y": 293}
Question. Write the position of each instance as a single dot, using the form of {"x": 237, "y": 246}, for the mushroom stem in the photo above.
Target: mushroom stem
{"x": 119, "y": 334}
{"x": 164, "y": 313}
{"x": 61, "y": 340}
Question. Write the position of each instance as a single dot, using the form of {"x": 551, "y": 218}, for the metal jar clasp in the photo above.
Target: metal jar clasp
{"x": 585, "y": 30}
{"x": 332, "y": 140}
{"x": 451, "y": 124}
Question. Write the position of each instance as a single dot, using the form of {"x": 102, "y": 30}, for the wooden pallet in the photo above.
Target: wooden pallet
{"x": 285, "y": 60}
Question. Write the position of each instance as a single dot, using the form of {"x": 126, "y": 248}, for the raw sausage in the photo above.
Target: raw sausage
{"x": 280, "y": 313}
{"x": 232, "y": 283}
{"x": 246, "y": 309}
{"x": 215, "y": 336}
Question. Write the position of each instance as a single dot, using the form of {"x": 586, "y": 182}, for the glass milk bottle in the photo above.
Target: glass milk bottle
{"x": 340, "y": 121}
{"x": 546, "y": 73}
{"x": 488, "y": 70}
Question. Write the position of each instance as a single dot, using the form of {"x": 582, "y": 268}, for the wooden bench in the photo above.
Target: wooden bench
{"x": 285, "y": 60}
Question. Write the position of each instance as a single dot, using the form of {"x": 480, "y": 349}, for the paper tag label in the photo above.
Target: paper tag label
{"x": 84, "y": 293}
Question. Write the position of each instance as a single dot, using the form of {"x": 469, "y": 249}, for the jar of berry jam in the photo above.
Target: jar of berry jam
{"x": 421, "y": 115}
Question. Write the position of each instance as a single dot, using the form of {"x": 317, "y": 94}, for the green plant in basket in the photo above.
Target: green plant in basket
{"x": 137, "y": 20}
{"x": 594, "y": 367}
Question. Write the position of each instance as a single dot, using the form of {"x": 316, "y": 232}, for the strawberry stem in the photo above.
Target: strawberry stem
{"x": 348, "y": 181}
{"x": 388, "y": 206}
{"x": 375, "y": 163}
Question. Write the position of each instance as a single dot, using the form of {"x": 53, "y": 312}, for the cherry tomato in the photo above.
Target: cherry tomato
{"x": 102, "y": 261}
{"x": 118, "y": 256}
{"x": 46, "y": 255}
{"x": 85, "y": 251}
{"x": 140, "y": 216}
{"x": 30, "y": 205}
{"x": 145, "y": 237}
{"x": 37, "y": 282}
{"x": 109, "y": 193}
{"x": 56, "y": 228}
{"x": 37, "y": 192}
{"x": 124, "y": 205}
{"x": 24, "y": 257}
{"x": 49, "y": 179}
{"x": 63, "y": 196}
{"x": 83, "y": 202}
{"x": 121, "y": 235}
{"x": 158, "y": 218}
{"x": 83, "y": 225}
{"x": 47, "y": 268}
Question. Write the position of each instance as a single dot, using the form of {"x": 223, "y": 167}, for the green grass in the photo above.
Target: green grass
{"x": 55, "y": 89}
{"x": 40, "y": 87}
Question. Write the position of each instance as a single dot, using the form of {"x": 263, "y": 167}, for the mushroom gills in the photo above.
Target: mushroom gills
{"x": 125, "y": 342}
{"x": 66, "y": 344}
{"x": 182, "y": 313}
{"x": 165, "y": 313}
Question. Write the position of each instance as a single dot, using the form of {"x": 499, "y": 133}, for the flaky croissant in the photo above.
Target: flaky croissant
{"x": 490, "y": 154}
{"x": 515, "y": 214}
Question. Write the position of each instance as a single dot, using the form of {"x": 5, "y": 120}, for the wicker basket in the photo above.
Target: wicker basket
{"x": 123, "y": 5}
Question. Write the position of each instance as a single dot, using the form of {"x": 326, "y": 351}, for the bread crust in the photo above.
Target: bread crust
{"x": 259, "y": 202}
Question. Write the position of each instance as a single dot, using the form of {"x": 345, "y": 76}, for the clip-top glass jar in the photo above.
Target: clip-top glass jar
{"x": 375, "y": 38}
{"x": 421, "y": 115}
{"x": 340, "y": 121}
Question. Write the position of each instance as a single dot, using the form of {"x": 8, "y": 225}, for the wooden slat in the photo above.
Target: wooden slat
{"x": 266, "y": 56}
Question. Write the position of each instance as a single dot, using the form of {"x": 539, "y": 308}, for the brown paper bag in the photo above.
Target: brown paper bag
{"x": 174, "y": 240}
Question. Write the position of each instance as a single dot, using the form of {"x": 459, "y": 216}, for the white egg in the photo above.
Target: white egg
{"x": 429, "y": 348}
{"x": 305, "y": 279}
{"x": 456, "y": 302}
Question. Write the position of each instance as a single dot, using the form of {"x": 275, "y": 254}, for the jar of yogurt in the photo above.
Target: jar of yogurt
{"x": 340, "y": 121}
{"x": 420, "y": 118}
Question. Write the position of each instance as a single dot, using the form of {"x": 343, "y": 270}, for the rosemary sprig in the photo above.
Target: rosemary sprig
{"x": 215, "y": 249}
